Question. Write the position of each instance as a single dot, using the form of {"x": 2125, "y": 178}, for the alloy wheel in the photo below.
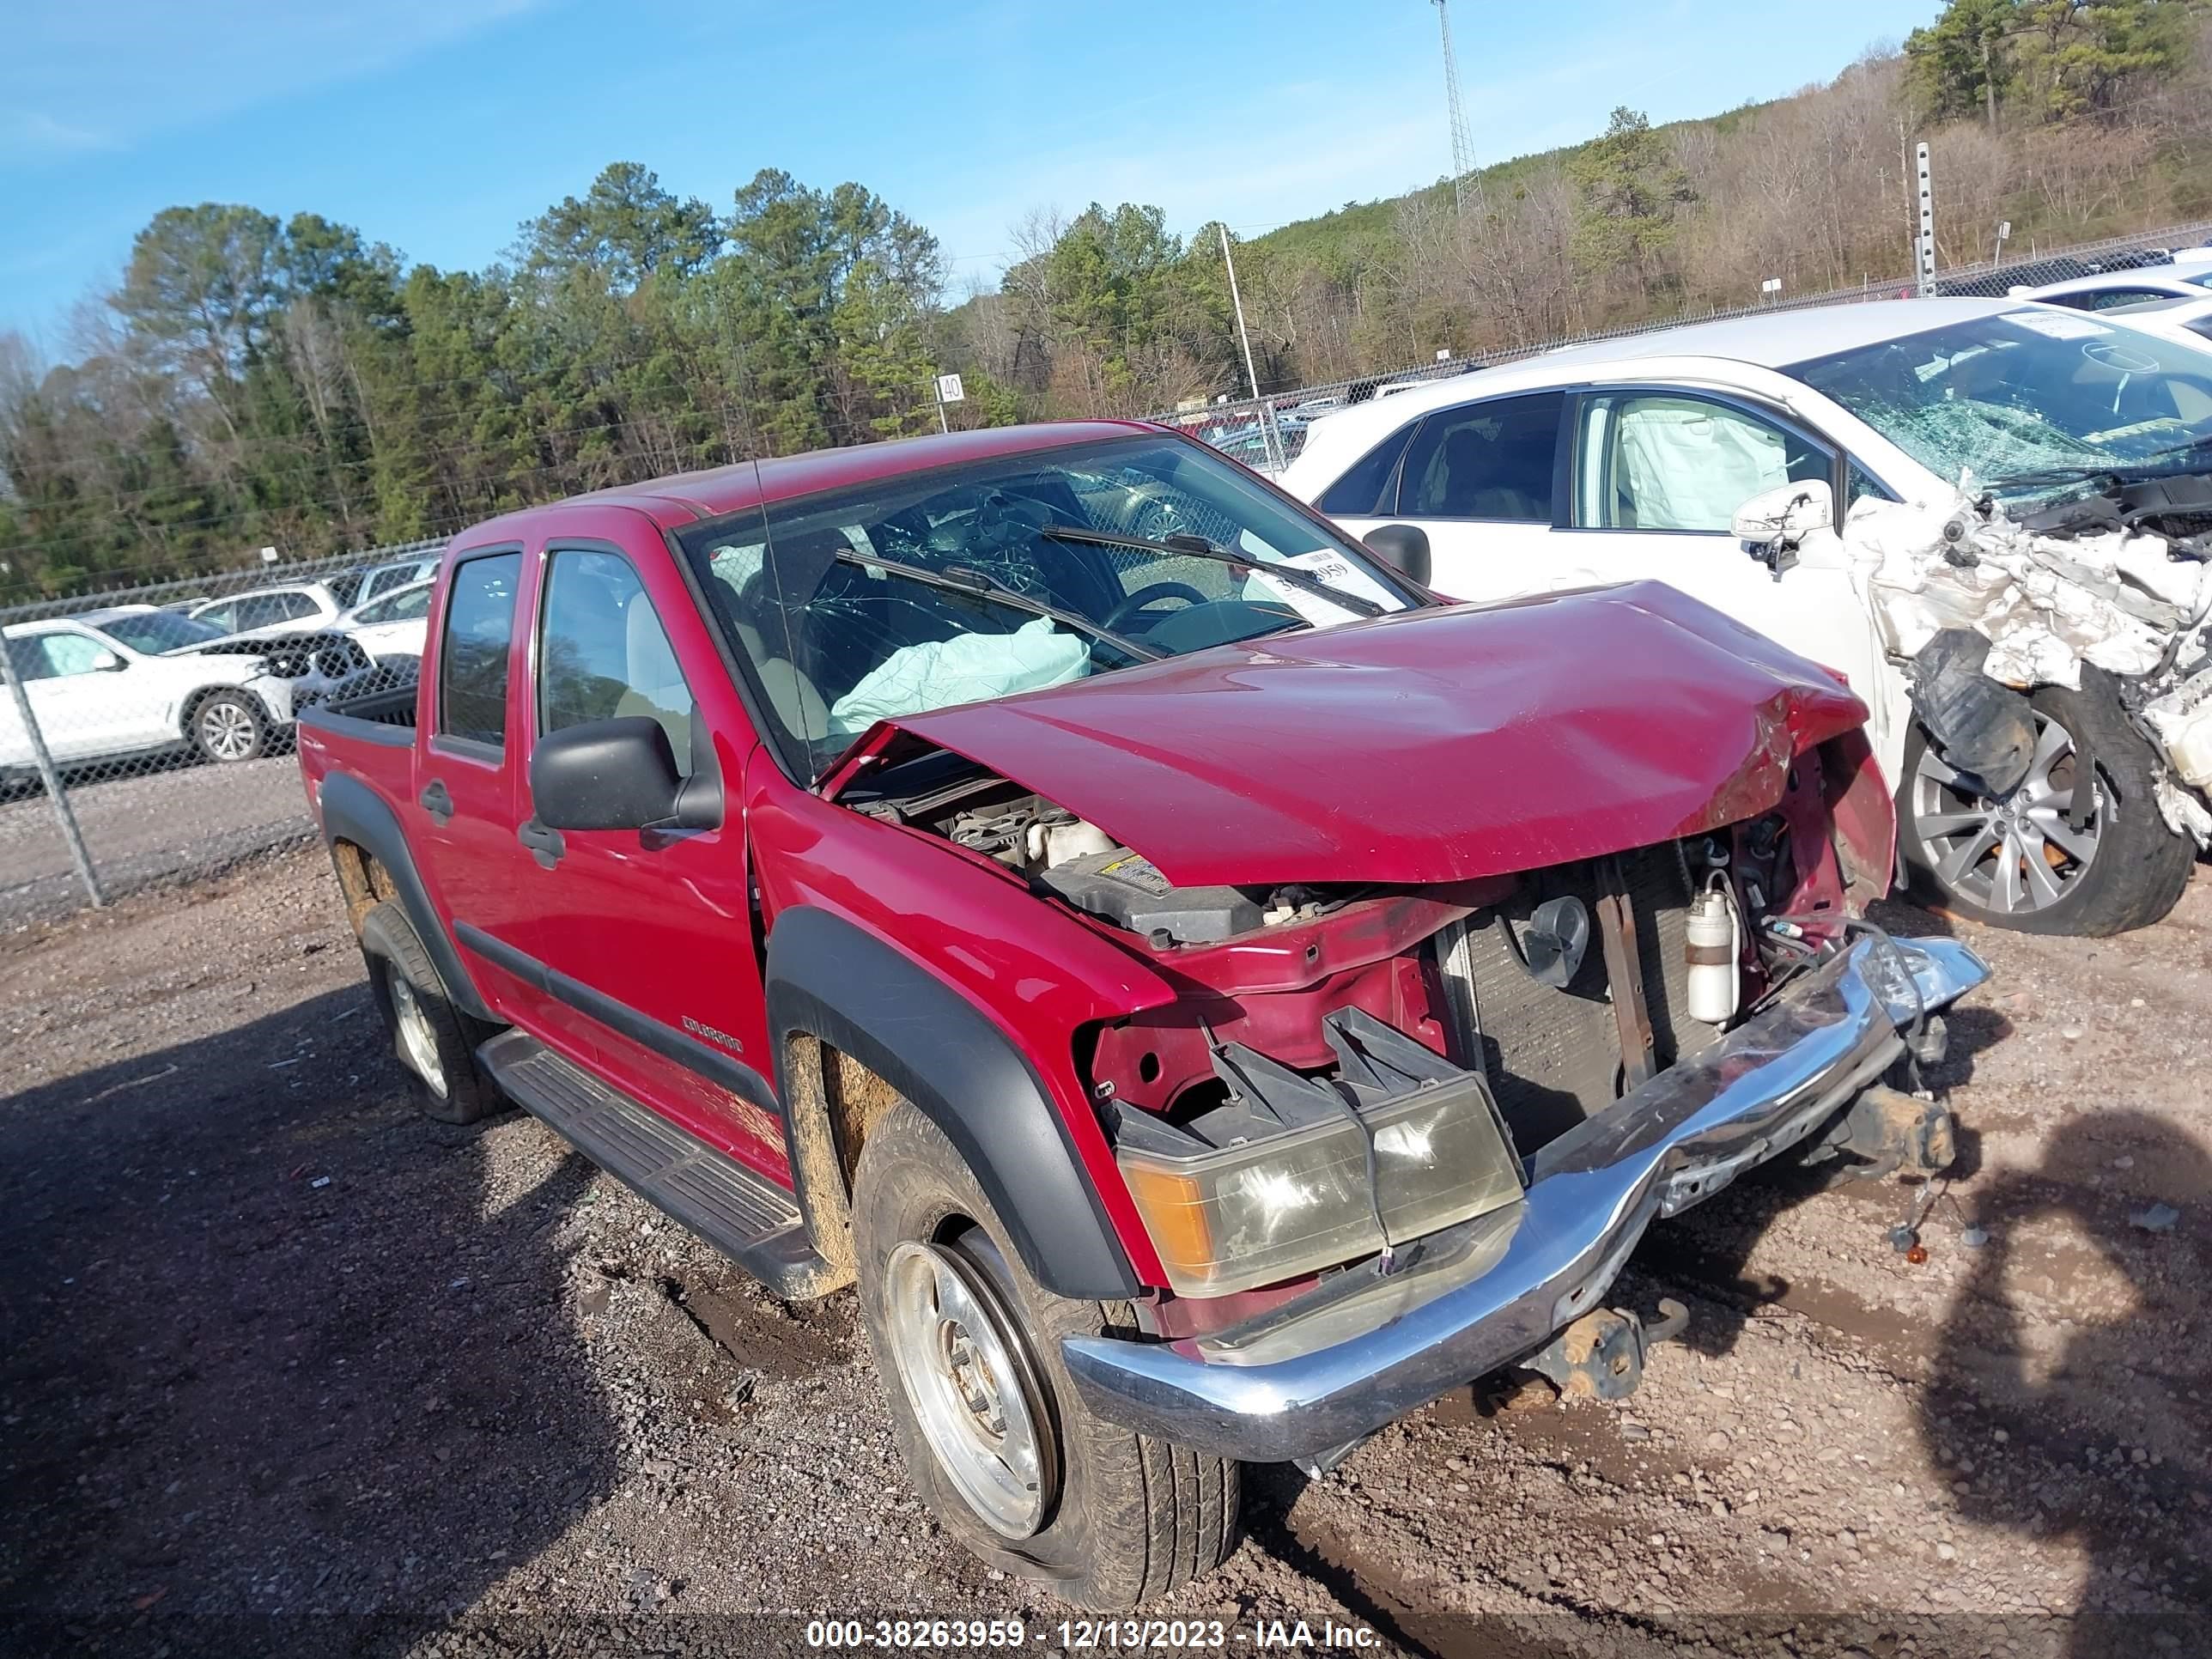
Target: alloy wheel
{"x": 960, "y": 1359}
{"x": 2016, "y": 855}
{"x": 227, "y": 730}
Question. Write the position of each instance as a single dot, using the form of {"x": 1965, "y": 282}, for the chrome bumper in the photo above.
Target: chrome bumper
{"x": 1335, "y": 1366}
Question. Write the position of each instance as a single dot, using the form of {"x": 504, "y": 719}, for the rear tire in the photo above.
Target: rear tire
{"x": 2135, "y": 865}
{"x": 435, "y": 1042}
{"x": 1114, "y": 1519}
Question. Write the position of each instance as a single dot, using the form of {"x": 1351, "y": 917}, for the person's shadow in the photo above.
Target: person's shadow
{"x": 283, "y": 1367}
{"x": 2099, "y": 1436}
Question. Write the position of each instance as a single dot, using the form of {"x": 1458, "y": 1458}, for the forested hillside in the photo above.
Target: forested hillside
{"x": 254, "y": 381}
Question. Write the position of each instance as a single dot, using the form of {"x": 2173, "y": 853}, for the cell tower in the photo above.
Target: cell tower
{"x": 1462, "y": 147}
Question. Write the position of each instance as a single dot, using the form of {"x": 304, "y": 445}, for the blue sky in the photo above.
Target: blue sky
{"x": 438, "y": 126}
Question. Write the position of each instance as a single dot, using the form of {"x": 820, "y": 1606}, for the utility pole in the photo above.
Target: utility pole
{"x": 1266, "y": 425}
{"x": 1924, "y": 251}
{"x": 1463, "y": 147}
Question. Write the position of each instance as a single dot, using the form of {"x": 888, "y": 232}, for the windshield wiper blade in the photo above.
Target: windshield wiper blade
{"x": 979, "y": 584}
{"x": 2175, "y": 452}
{"x": 1197, "y": 547}
{"x": 2158, "y": 464}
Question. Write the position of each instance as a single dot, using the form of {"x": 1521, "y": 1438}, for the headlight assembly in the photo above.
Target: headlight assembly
{"x": 1276, "y": 1182}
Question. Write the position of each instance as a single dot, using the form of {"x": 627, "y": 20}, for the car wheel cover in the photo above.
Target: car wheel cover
{"x": 2015, "y": 856}
{"x": 227, "y": 729}
{"x": 961, "y": 1361}
{"x": 418, "y": 1042}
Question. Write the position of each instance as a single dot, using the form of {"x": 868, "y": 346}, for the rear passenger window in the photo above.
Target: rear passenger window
{"x": 478, "y": 639}
{"x": 263, "y": 610}
{"x": 1489, "y": 460}
{"x": 604, "y": 653}
{"x": 1360, "y": 493}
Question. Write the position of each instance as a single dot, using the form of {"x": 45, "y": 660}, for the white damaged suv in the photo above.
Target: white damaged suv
{"x": 2040, "y": 627}
{"x": 134, "y": 680}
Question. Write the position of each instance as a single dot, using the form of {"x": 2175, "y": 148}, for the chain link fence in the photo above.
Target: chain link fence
{"x": 1266, "y": 433}
{"x": 145, "y": 731}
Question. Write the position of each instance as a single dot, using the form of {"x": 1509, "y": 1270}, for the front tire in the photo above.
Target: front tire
{"x": 2018, "y": 862}
{"x": 227, "y": 726}
{"x": 435, "y": 1042}
{"x": 995, "y": 1438}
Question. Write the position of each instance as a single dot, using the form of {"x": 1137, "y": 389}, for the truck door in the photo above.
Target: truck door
{"x": 648, "y": 934}
{"x": 464, "y": 815}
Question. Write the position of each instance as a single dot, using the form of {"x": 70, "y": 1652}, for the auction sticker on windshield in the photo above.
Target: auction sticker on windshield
{"x": 2058, "y": 325}
{"x": 1323, "y": 565}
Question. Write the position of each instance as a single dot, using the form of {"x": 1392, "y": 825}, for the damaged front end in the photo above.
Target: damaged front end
{"x": 1984, "y": 608}
{"x": 312, "y": 665}
{"x": 1308, "y": 1377}
{"x": 1388, "y": 1138}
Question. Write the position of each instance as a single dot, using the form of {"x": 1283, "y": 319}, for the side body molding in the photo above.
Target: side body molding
{"x": 353, "y": 811}
{"x": 829, "y": 979}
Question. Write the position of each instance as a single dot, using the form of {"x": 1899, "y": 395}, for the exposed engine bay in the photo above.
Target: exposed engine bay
{"x": 1404, "y": 1091}
{"x": 1085, "y": 865}
{"x": 1523, "y": 979}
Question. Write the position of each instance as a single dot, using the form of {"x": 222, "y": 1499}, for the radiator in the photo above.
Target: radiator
{"x": 1552, "y": 1054}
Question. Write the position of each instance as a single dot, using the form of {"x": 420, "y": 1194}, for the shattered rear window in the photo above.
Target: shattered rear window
{"x": 2020, "y": 392}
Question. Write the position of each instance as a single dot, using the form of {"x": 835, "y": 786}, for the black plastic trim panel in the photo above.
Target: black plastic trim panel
{"x": 827, "y": 979}
{"x": 352, "y": 811}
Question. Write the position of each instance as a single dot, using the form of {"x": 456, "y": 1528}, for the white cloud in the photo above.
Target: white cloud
{"x": 31, "y": 134}
{"x": 1290, "y": 153}
{"x": 150, "y": 66}
{"x": 1252, "y": 174}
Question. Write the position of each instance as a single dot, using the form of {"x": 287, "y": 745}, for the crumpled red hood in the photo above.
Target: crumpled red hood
{"x": 1429, "y": 746}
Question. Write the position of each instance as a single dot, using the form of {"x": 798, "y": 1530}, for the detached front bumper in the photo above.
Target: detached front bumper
{"x": 1343, "y": 1361}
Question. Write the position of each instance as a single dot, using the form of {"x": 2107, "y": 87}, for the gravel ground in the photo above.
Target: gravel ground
{"x": 284, "y": 1367}
{"x": 171, "y": 818}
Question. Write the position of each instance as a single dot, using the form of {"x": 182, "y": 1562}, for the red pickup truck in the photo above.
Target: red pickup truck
{"x": 1211, "y": 997}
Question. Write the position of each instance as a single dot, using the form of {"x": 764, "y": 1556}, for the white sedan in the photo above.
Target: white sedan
{"x": 2188, "y": 322}
{"x": 1630, "y": 459}
{"x": 2188, "y": 277}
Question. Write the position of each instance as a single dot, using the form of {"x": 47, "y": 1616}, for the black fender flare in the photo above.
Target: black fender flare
{"x": 352, "y": 811}
{"x": 829, "y": 979}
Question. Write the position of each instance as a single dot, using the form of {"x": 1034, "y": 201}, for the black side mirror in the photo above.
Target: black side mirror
{"x": 1403, "y": 547}
{"x": 618, "y": 774}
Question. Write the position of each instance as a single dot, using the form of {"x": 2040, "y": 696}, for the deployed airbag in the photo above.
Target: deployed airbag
{"x": 940, "y": 673}
{"x": 1689, "y": 467}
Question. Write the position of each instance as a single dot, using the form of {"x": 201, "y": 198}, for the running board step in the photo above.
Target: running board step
{"x": 745, "y": 1215}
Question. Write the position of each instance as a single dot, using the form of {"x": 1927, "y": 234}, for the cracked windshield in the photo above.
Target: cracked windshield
{"x": 1011, "y": 575}
{"x": 2029, "y": 401}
